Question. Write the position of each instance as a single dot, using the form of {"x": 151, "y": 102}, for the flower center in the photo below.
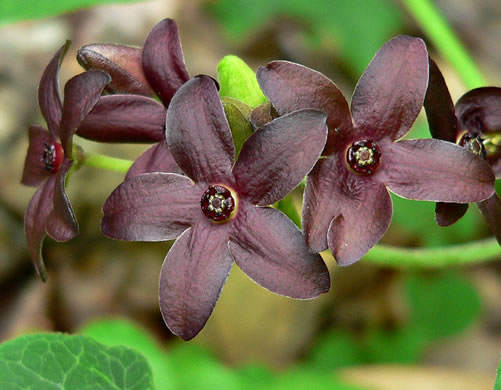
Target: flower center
{"x": 473, "y": 143}
{"x": 363, "y": 157}
{"x": 53, "y": 156}
{"x": 217, "y": 203}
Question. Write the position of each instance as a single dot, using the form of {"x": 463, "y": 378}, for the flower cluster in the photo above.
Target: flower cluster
{"x": 215, "y": 195}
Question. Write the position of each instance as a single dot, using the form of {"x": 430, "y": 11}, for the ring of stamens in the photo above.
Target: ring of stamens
{"x": 473, "y": 143}
{"x": 217, "y": 203}
{"x": 52, "y": 157}
{"x": 363, "y": 157}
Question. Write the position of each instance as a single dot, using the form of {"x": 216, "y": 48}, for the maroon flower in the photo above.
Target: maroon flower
{"x": 49, "y": 156}
{"x": 217, "y": 210}
{"x": 472, "y": 124}
{"x": 130, "y": 113}
{"x": 346, "y": 206}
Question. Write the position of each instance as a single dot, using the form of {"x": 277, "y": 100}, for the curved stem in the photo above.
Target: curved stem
{"x": 442, "y": 35}
{"x": 106, "y": 162}
{"x": 470, "y": 253}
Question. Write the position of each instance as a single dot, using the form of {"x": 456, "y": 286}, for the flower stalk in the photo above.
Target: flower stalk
{"x": 106, "y": 162}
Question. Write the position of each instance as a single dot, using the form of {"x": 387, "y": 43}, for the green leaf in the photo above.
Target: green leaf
{"x": 121, "y": 332}
{"x": 238, "y": 81}
{"x": 441, "y": 304}
{"x": 237, "y": 114}
{"x": 58, "y": 361}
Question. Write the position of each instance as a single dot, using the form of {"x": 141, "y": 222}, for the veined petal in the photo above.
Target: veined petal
{"x": 192, "y": 277}
{"x": 35, "y": 218}
{"x": 448, "y": 213}
{"x": 61, "y": 223}
{"x": 163, "y": 60}
{"x": 34, "y": 170}
{"x": 271, "y": 250}
{"x": 198, "y": 133}
{"x": 276, "y": 157}
{"x": 122, "y": 63}
{"x": 49, "y": 97}
{"x": 157, "y": 158}
{"x": 435, "y": 170}
{"x": 479, "y": 110}
{"x": 152, "y": 207}
{"x": 81, "y": 94}
{"x": 440, "y": 108}
{"x": 291, "y": 87}
{"x": 390, "y": 93}
{"x": 124, "y": 118}
{"x": 491, "y": 210}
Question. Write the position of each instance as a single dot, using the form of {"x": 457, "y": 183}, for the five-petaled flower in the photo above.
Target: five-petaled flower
{"x": 347, "y": 207}
{"x": 476, "y": 117}
{"x": 130, "y": 113}
{"x": 217, "y": 211}
{"x": 49, "y": 156}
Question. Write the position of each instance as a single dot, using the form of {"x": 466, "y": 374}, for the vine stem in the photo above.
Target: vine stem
{"x": 441, "y": 34}
{"x": 470, "y": 253}
{"x": 106, "y": 162}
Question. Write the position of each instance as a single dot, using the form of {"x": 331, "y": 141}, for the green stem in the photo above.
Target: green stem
{"x": 442, "y": 35}
{"x": 470, "y": 253}
{"x": 106, "y": 162}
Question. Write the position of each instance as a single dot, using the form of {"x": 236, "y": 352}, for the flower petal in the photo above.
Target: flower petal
{"x": 49, "y": 97}
{"x": 276, "y": 157}
{"x": 35, "y": 218}
{"x": 435, "y": 170}
{"x": 157, "y": 158}
{"x": 34, "y": 170}
{"x": 152, "y": 207}
{"x": 292, "y": 87}
{"x": 439, "y": 107}
{"x": 479, "y": 110}
{"x": 390, "y": 93}
{"x": 448, "y": 213}
{"x": 201, "y": 141}
{"x": 61, "y": 223}
{"x": 124, "y": 118}
{"x": 262, "y": 114}
{"x": 163, "y": 60}
{"x": 271, "y": 250}
{"x": 81, "y": 94}
{"x": 344, "y": 211}
{"x": 491, "y": 210}
{"x": 122, "y": 63}
{"x": 192, "y": 277}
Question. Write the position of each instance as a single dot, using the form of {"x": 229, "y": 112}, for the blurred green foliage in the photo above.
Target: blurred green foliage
{"x": 15, "y": 10}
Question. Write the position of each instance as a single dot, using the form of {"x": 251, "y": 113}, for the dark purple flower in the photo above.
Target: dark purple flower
{"x": 346, "y": 206}
{"x": 473, "y": 124}
{"x": 217, "y": 209}
{"x": 130, "y": 113}
{"x": 49, "y": 156}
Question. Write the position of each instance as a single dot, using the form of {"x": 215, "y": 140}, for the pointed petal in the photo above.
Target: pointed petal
{"x": 343, "y": 211}
{"x": 491, "y": 210}
{"x": 49, "y": 97}
{"x": 124, "y": 118}
{"x": 439, "y": 107}
{"x": 34, "y": 170}
{"x": 200, "y": 142}
{"x": 81, "y": 94}
{"x": 192, "y": 277}
{"x": 495, "y": 164}
{"x": 448, "y": 213}
{"x": 435, "y": 170}
{"x": 262, "y": 114}
{"x": 479, "y": 110}
{"x": 122, "y": 63}
{"x": 157, "y": 158}
{"x": 390, "y": 93}
{"x": 163, "y": 60}
{"x": 271, "y": 250}
{"x": 61, "y": 223}
{"x": 275, "y": 158}
{"x": 152, "y": 207}
{"x": 291, "y": 87}
{"x": 35, "y": 218}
